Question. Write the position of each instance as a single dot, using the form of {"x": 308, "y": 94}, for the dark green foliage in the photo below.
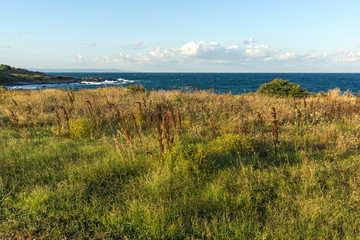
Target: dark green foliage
{"x": 5, "y": 67}
{"x": 5, "y": 78}
{"x": 138, "y": 88}
{"x": 63, "y": 77}
{"x": 282, "y": 88}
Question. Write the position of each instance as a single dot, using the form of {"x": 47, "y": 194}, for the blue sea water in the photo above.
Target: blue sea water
{"x": 236, "y": 83}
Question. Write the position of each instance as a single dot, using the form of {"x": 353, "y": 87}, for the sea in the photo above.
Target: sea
{"x": 223, "y": 83}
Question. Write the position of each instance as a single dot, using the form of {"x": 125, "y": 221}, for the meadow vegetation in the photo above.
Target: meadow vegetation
{"x": 117, "y": 163}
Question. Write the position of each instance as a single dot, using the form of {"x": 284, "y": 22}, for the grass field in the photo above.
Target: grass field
{"x": 118, "y": 164}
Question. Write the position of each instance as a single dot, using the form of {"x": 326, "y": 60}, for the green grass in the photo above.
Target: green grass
{"x": 234, "y": 185}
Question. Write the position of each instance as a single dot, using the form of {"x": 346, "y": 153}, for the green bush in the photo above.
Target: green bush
{"x": 232, "y": 143}
{"x": 282, "y": 88}
{"x": 80, "y": 128}
{"x": 138, "y": 88}
{"x": 187, "y": 156}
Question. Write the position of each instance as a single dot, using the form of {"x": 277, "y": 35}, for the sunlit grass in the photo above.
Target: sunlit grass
{"x": 113, "y": 163}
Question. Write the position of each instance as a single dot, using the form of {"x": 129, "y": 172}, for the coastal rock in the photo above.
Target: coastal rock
{"x": 92, "y": 79}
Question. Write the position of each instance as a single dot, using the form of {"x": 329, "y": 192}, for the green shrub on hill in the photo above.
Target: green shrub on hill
{"x": 282, "y": 88}
{"x": 5, "y": 67}
{"x": 138, "y": 88}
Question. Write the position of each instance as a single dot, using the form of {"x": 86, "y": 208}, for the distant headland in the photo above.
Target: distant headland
{"x": 17, "y": 76}
{"x": 79, "y": 70}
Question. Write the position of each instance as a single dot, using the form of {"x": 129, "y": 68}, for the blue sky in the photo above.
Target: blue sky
{"x": 182, "y": 36}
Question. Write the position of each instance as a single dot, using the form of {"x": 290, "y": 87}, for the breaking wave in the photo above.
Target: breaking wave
{"x": 119, "y": 81}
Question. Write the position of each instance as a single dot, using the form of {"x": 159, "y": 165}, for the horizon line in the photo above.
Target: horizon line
{"x": 123, "y": 71}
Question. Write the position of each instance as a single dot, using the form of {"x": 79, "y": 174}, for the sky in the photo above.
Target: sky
{"x": 182, "y": 36}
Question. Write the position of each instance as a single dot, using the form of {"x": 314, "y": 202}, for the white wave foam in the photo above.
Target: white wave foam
{"x": 120, "y": 81}
{"x": 23, "y": 87}
{"x": 125, "y": 81}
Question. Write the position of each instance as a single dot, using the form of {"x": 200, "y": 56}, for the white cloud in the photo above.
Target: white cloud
{"x": 190, "y": 48}
{"x": 199, "y": 51}
{"x": 315, "y": 56}
{"x": 287, "y": 56}
{"x": 261, "y": 50}
{"x": 251, "y": 40}
{"x": 201, "y": 55}
{"x": 90, "y": 44}
{"x": 347, "y": 56}
{"x": 6, "y": 46}
{"x": 78, "y": 59}
{"x": 212, "y": 51}
{"x": 138, "y": 43}
{"x": 120, "y": 58}
{"x": 342, "y": 56}
{"x": 158, "y": 53}
{"x": 233, "y": 47}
